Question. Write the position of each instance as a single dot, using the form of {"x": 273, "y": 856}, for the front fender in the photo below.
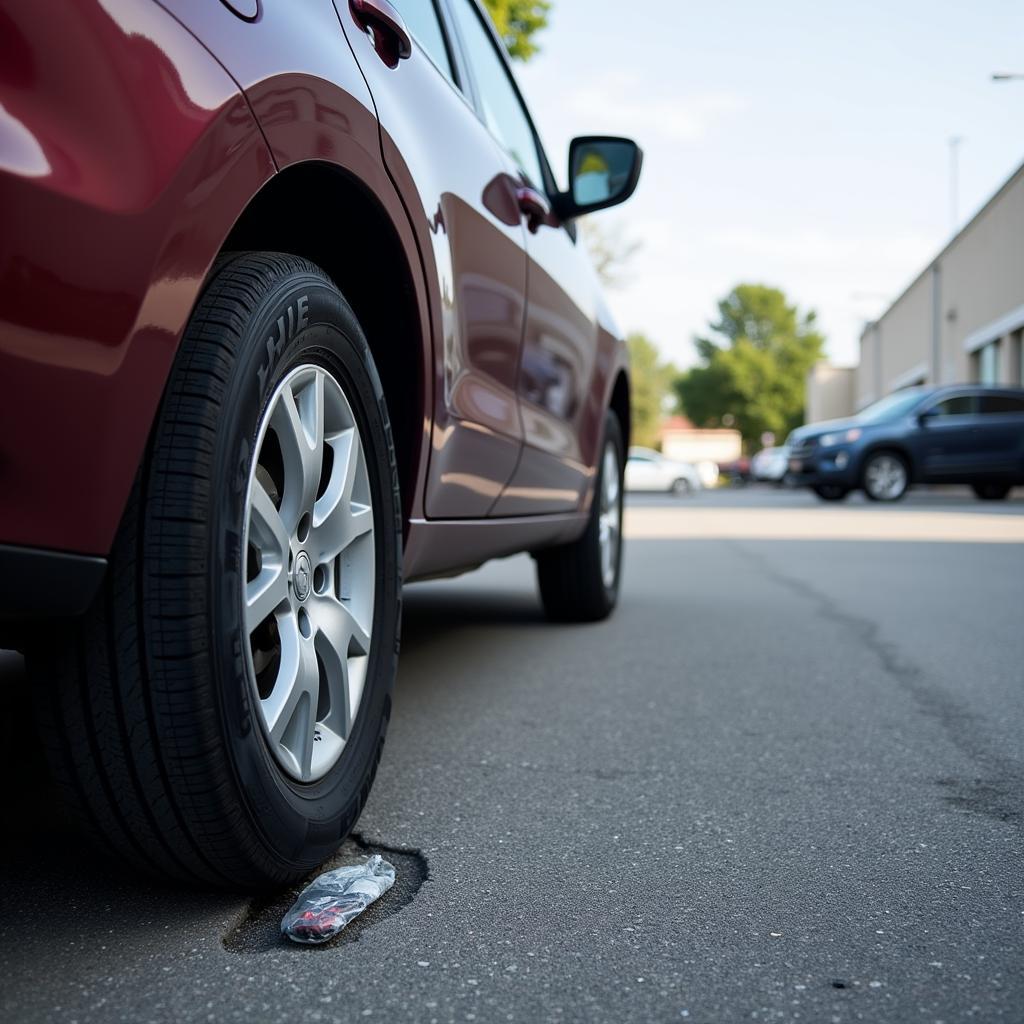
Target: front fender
{"x": 126, "y": 154}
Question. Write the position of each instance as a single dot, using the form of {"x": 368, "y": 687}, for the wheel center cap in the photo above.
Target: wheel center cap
{"x": 302, "y": 576}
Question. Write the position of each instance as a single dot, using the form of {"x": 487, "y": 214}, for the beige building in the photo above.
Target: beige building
{"x": 682, "y": 441}
{"x": 830, "y": 392}
{"x": 962, "y": 318}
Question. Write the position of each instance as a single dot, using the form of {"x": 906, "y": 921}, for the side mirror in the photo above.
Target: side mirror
{"x": 603, "y": 171}
{"x": 926, "y": 415}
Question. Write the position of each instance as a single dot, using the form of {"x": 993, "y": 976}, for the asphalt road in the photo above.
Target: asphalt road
{"x": 784, "y": 783}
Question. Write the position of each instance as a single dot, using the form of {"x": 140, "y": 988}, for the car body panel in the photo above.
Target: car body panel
{"x": 322, "y": 112}
{"x": 568, "y": 355}
{"x": 461, "y": 201}
{"x": 126, "y": 153}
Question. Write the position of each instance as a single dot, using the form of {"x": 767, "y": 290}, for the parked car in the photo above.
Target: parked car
{"x": 960, "y": 434}
{"x": 770, "y": 465}
{"x": 648, "y": 470}
{"x": 291, "y": 311}
{"x": 737, "y": 471}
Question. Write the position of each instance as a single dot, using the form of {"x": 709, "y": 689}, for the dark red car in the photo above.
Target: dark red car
{"x": 291, "y": 310}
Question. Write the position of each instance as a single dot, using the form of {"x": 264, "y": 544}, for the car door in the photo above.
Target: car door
{"x": 558, "y": 373}
{"x": 1001, "y": 431}
{"x": 459, "y": 188}
{"x": 947, "y": 440}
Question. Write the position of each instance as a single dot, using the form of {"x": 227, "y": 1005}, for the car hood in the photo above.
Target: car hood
{"x": 821, "y": 427}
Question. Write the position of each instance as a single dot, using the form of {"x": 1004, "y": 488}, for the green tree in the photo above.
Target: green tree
{"x": 755, "y": 365}
{"x": 650, "y": 387}
{"x": 517, "y": 21}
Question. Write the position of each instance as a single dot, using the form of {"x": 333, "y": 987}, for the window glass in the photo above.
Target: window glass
{"x": 993, "y": 404}
{"x": 502, "y": 110}
{"x": 891, "y": 407}
{"x": 960, "y": 405}
{"x": 421, "y": 18}
{"x": 988, "y": 363}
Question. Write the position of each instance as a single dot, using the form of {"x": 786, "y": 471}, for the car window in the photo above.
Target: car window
{"x": 503, "y": 112}
{"x": 994, "y": 404}
{"x": 640, "y": 458}
{"x": 891, "y": 407}
{"x": 422, "y": 21}
{"x": 958, "y": 405}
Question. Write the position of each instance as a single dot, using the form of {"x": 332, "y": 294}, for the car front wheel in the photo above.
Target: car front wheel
{"x": 885, "y": 476}
{"x": 681, "y": 487}
{"x": 219, "y": 713}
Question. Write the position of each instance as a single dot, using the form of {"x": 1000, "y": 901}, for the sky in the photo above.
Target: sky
{"x": 799, "y": 144}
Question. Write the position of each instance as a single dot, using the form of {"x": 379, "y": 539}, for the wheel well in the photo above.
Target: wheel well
{"x": 620, "y": 406}
{"x": 319, "y": 212}
{"x": 893, "y": 449}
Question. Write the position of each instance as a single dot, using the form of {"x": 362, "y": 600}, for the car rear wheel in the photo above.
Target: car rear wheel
{"x": 681, "y": 487}
{"x": 831, "y": 492}
{"x": 219, "y": 713}
{"x": 579, "y": 582}
{"x": 885, "y": 477}
{"x": 991, "y": 492}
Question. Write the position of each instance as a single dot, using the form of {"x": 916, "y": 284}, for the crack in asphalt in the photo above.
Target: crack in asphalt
{"x": 258, "y": 929}
{"x": 999, "y": 792}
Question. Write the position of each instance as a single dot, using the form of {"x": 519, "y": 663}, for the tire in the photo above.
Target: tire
{"x": 157, "y": 729}
{"x": 680, "y": 487}
{"x": 991, "y": 492}
{"x": 885, "y": 476}
{"x": 831, "y": 492}
{"x": 576, "y": 585}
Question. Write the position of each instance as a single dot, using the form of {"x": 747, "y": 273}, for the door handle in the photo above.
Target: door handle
{"x": 534, "y": 207}
{"x": 391, "y": 38}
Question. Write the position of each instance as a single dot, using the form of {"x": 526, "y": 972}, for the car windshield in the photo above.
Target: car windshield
{"x": 891, "y": 407}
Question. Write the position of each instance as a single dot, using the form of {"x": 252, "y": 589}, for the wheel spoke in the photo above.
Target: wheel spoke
{"x": 339, "y": 626}
{"x": 264, "y": 595}
{"x": 338, "y": 520}
{"x": 299, "y": 428}
{"x": 290, "y": 710}
{"x": 335, "y": 662}
{"x": 339, "y": 637}
{"x": 266, "y": 528}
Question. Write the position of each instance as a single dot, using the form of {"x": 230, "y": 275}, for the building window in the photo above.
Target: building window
{"x": 1016, "y": 367}
{"x": 986, "y": 363}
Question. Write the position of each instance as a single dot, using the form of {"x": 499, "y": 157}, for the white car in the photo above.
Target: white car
{"x": 771, "y": 464}
{"x": 647, "y": 470}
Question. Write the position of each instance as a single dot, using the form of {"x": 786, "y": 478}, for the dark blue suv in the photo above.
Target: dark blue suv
{"x": 950, "y": 435}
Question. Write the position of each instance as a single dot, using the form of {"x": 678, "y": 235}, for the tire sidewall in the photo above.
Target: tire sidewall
{"x": 303, "y": 319}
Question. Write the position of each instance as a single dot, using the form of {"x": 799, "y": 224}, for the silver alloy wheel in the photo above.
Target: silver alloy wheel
{"x": 308, "y": 592}
{"x": 610, "y": 522}
{"x": 886, "y": 477}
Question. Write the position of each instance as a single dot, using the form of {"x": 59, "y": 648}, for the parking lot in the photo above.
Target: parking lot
{"x": 784, "y": 782}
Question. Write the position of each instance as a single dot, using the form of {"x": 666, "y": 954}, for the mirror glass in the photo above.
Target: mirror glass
{"x": 601, "y": 169}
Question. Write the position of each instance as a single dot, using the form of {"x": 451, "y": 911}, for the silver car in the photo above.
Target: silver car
{"x": 648, "y": 470}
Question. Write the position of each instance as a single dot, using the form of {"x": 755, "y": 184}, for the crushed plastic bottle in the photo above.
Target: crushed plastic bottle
{"x": 335, "y": 898}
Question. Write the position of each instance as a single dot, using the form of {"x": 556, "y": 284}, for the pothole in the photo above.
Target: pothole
{"x": 260, "y": 927}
